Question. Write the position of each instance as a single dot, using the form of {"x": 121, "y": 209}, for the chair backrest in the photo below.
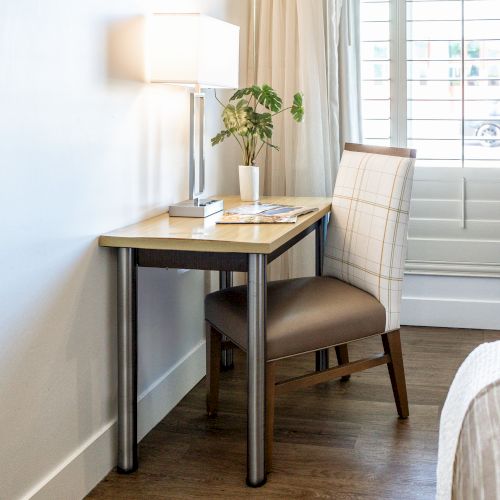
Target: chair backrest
{"x": 367, "y": 234}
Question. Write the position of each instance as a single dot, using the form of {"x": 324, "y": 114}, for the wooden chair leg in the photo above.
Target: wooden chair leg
{"x": 392, "y": 346}
{"x": 342, "y": 358}
{"x": 214, "y": 344}
{"x": 270, "y": 395}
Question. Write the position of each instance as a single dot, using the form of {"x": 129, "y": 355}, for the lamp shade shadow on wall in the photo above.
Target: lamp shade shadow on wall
{"x": 159, "y": 119}
{"x": 125, "y": 49}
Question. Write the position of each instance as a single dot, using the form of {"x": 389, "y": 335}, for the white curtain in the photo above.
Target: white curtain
{"x": 344, "y": 74}
{"x": 309, "y": 46}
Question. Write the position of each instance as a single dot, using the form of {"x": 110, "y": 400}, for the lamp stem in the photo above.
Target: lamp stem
{"x": 196, "y": 143}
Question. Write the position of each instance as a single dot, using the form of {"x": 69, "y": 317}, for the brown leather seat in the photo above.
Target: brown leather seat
{"x": 303, "y": 314}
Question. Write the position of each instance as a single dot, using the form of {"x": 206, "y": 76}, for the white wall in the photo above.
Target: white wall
{"x": 85, "y": 149}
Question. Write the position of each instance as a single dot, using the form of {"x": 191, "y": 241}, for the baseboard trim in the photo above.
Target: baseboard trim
{"x": 84, "y": 468}
{"x": 450, "y": 313}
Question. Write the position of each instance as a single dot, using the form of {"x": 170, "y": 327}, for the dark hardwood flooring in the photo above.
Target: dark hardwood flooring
{"x": 339, "y": 440}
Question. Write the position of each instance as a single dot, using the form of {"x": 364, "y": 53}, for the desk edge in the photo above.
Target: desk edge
{"x": 148, "y": 243}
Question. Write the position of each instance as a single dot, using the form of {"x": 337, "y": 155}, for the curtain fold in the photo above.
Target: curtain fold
{"x": 291, "y": 56}
{"x": 344, "y": 74}
{"x": 312, "y": 47}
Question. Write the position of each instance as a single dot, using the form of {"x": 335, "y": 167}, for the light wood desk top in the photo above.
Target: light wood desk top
{"x": 204, "y": 235}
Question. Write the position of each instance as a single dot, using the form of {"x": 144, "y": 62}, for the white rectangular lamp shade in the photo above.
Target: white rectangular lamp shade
{"x": 193, "y": 49}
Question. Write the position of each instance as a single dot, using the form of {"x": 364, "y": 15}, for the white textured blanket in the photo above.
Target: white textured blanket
{"x": 469, "y": 431}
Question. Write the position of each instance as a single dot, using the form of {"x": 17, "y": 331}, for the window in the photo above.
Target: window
{"x": 451, "y": 58}
{"x": 431, "y": 81}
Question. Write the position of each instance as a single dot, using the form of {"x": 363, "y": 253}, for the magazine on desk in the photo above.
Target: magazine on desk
{"x": 263, "y": 213}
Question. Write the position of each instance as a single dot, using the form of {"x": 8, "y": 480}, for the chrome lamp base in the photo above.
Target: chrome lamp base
{"x": 200, "y": 207}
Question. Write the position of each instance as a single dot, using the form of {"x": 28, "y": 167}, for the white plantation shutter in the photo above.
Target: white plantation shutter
{"x": 455, "y": 222}
{"x": 376, "y": 71}
{"x": 437, "y": 64}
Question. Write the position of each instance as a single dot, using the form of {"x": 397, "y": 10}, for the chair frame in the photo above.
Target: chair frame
{"x": 391, "y": 355}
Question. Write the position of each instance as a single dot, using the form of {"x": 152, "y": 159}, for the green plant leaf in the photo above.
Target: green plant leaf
{"x": 269, "y": 98}
{"x": 220, "y": 137}
{"x": 241, "y": 93}
{"x": 263, "y": 125}
{"x": 297, "y": 109}
{"x": 235, "y": 117}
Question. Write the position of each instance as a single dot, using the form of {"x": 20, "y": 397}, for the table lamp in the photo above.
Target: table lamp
{"x": 197, "y": 51}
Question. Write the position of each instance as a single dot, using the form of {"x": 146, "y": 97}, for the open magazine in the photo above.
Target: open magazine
{"x": 263, "y": 213}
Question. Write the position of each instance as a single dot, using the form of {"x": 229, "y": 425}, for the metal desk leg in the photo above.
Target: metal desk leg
{"x": 226, "y": 281}
{"x": 256, "y": 372}
{"x": 322, "y": 358}
{"x": 127, "y": 360}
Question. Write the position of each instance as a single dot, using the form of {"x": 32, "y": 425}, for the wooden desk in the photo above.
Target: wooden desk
{"x": 202, "y": 244}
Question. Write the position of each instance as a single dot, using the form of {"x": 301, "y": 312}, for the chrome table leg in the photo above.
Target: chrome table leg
{"x": 127, "y": 360}
{"x": 322, "y": 358}
{"x": 227, "y": 362}
{"x": 256, "y": 372}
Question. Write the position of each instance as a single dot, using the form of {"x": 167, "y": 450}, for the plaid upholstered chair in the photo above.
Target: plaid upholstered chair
{"x": 358, "y": 296}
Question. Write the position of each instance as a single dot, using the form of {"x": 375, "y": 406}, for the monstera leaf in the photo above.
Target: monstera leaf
{"x": 220, "y": 137}
{"x": 297, "y": 107}
{"x": 235, "y": 117}
{"x": 269, "y": 98}
{"x": 263, "y": 124}
{"x": 253, "y": 90}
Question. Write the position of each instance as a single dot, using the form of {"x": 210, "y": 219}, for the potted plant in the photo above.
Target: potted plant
{"x": 248, "y": 117}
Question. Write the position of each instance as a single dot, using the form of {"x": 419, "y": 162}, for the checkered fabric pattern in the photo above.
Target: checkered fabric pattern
{"x": 367, "y": 234}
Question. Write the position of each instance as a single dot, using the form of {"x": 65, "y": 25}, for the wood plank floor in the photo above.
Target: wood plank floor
{"x": 339, "y": 440}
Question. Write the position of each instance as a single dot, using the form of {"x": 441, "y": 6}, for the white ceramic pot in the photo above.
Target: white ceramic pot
{"x": 249, "y": 182}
